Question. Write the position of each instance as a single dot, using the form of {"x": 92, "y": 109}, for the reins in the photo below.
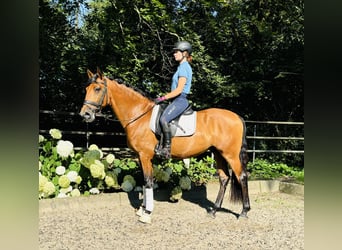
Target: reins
{"x": 138, "y": 117}
{"x": 131, "y": 120}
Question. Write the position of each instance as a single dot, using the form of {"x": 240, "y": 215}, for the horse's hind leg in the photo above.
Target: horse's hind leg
{"x": 223, "y": 173}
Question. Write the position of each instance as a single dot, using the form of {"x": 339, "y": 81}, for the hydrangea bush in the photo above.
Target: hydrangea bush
{"x": 66, "y": 173}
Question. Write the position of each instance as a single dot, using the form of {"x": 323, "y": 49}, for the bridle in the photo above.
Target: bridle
{"x": 98, "y": 105}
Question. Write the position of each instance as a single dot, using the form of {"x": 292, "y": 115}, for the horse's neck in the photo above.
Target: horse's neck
{"x": 126, "y": 103}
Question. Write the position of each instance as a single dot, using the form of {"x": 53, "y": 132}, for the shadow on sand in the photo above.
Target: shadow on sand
{"x": 197, "y": 195}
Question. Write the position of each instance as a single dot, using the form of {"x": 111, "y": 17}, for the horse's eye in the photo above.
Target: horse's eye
{"x": 97, "y": 89}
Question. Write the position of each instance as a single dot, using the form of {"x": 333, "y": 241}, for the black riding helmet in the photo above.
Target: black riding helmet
{"x": 183, "y": 46}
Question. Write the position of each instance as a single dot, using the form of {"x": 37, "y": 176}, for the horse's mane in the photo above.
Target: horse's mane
{"x": 121, "y": 81}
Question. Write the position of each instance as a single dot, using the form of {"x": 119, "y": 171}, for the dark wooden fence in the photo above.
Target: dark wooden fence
{"x": 106, "y": 132}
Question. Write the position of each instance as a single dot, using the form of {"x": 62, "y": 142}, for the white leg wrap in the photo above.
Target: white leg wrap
{"x": 149, "y": 199}
{"x": 144, "y": 196}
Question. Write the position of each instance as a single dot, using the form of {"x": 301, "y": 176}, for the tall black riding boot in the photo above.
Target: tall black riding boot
{"x": 165, "y": 152}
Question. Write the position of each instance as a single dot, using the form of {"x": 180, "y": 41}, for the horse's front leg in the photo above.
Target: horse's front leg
{"x": 145, "y": 212}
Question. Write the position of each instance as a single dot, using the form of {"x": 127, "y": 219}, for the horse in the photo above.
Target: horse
{"x": 219, "y": 130}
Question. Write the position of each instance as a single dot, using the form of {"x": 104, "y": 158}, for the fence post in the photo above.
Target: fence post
{"x": 254, "y": 133}
{"x": 87, "y": 137}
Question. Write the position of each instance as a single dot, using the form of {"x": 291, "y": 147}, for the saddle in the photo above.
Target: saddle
{"x": 183, "y": 125}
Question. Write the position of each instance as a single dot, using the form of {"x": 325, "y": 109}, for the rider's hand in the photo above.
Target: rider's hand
{"x": 159, "y": 99}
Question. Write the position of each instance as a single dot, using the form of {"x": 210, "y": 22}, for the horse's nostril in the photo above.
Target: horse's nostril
{"x": 87, "y": 115}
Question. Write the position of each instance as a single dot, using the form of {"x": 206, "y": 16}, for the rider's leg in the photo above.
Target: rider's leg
{"x": 172, "y": 111}
{"x": 165, "y": 152}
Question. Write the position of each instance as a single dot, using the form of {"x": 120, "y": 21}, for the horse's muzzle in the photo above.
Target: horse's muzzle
{"x": 87, "y": 114}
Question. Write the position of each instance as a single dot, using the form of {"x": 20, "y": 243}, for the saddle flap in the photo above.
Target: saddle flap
{"x": 184, "y": 125}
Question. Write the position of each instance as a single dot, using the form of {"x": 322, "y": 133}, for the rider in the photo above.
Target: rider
{"x": 180, "y": 87}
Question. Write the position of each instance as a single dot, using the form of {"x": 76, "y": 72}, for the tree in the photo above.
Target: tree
{"x": 60, "y": 58}
{"x": 248, "y": 55}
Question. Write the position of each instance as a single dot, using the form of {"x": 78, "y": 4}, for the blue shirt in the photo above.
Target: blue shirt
{"x": 184, "y": 70}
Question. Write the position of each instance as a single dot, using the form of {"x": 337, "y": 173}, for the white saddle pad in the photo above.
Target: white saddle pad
{"x": 186, "y": 125}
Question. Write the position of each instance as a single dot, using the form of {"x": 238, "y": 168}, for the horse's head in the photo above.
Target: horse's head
{"x": 96, "y": 93}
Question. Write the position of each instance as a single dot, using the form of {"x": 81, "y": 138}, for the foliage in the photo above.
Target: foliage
{"x": 201, "y": 171}
{"x": 246, "y": 54}
{"x": 61, "y": 171}
{"x": 263, "y": 169}
{"x": 64, "y": 173}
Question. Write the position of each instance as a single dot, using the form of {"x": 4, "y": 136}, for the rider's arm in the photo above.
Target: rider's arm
{"x": 177, "y": 91}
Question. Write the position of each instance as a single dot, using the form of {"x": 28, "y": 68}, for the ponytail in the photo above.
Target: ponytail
{"x": 188, "y": 57}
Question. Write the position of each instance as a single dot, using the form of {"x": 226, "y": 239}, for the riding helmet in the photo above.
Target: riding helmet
{"x": 183, "y": 46}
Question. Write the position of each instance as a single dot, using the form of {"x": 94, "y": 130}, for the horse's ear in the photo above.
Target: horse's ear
{"x": 99, "y": 73}
{"x": 90, "y": 74}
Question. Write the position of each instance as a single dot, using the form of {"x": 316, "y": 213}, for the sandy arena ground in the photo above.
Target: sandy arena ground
{"x": 108, "y": 221}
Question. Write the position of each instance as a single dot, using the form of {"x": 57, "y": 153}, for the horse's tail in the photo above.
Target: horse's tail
{"x": 243, "y": 150}
{"x": 236, "y": 190}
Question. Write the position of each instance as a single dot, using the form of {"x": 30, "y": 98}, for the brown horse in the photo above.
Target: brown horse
{"x": 219, "y": 130}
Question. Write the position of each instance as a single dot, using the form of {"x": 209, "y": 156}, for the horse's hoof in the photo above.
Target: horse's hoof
{"x": 244, "y": 212}
{"x": 140, "y": 211}
{"x": 211, "y": 213}
{"x": 145, "y": 218}
{"x": 243, "y": 215}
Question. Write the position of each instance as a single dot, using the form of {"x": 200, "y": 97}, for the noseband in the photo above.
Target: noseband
{"x": 98, "y": 104}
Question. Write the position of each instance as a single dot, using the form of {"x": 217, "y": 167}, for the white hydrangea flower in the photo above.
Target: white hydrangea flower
{"x": 110, "y": 182}
{"x": 186, "y": 162}
{"x": 55, "y": 133}
{"x": 97, "y": 170}
{"x": 41, "y": 138}
{"x": 176, "y": 193}
{"x": 185, "y": 183}
{"x": 130, "y": 178}
{"x": 72, "y": 175}
{"x": 165, "y": 176}
{"x": 49, "y": 188}
{"x": 78, "y": 179}
{"x": 95, "y": 147}
{"x": 94, "y": 191}
{"x": 42, "y": 181}
{"x": 66, "y": 190}
{"x": 63, "y": 181}
{"x": 62, "y": 195}
{"x": 168, "y": 170}
{"x": 127, "y": 186}
{"x": 117, "y": 171}
{"x": 110, "y": 158}
{"x": 64, "y": 148}
{"x": 60, "y": 170}
{"x": 75, "y": 193}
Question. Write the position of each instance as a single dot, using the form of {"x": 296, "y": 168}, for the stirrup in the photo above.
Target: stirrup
{"x": 164, "y": 153}
{"x": 157, "y": 149}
